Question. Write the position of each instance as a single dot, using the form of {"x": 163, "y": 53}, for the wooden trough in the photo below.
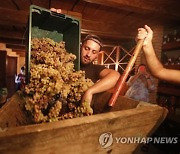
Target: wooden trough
{"x": 128, "y": 118}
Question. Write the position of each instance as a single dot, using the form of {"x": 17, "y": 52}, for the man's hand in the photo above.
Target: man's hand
{"x": 87, "y": 97}
{"x": 145, "y": 33}
{"x": 86, "y": 101}
{"x": 56, "y": 10}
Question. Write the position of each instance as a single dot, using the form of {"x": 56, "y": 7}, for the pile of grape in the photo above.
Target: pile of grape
{"x": 55, "y": 88}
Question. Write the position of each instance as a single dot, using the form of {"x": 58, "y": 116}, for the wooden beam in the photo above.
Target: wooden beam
{"x": 14, "y": 16}
{"x": 12, "y": 41}
{"x": 107, "y": 34}
{"x": 165, "y": 8}
{"x": 112, "y": 30}
{"x": 19, "y": 35}
{"x": 20, "y": 53}
{"x": 15, "y": 46}
{"x": 16, "y": 5}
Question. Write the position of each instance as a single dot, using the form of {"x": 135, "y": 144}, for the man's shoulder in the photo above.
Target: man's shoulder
{"x": 91, "y": 65}
{"x": 99, "y": 66}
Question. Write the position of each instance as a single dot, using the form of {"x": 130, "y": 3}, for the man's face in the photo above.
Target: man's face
{"x": 89, "y": 51}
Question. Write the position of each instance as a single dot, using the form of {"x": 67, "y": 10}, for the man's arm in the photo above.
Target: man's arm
{"x": 155, "y": 66}
{"x": 108, "y": 79}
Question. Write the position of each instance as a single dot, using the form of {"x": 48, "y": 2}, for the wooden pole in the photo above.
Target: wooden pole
{"x": 120, "y": 83}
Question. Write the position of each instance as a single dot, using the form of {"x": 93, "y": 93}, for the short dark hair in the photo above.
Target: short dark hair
{"x": 22, "y": 68}
{"x": 94, "y": 38}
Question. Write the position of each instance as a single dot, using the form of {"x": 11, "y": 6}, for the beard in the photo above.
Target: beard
{"x": 85, "y": 60}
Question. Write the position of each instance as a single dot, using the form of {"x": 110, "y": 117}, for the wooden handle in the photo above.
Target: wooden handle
{"x": 120, "y": 83}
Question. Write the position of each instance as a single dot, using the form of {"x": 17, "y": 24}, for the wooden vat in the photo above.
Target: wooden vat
{"x": 78, "y": 135}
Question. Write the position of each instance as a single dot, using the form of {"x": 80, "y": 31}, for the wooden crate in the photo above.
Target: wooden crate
{"x": 78, "y": 135}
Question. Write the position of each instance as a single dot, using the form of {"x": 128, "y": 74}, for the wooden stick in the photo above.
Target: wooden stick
{"x": 120, "y": 83}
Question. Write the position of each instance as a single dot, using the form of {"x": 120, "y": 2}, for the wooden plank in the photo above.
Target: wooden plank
{"x": 63, "y": 4}
{"x": 10, "y": 22}
{"x": 91, "y": 24}
{"x": 22, "y": 4}
{"x": 14, "y": 16}
{"x": 109, "y": 29}
{"x": 20, "y": 53}
{"x": 79, "y": 135}
{"x": 79, "y": 7}
{"x": 11, "y": 113}
{"x": 118, "y": 25}
{"x": 94, "y": 12}
{"x": 170, "y": 10}
{"x": 73, "y": 14}
{"x": 12, "y": 35}
{"x": 44, "y": 3}
{"x": 7, "y": 4}
{"x": 12, "y": 41}
{"x": 16, "y": 46}
{"x": 108, "y": 34}
{"x": 111, "y": 25}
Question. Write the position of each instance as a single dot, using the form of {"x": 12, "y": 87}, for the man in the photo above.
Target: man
{"x": 153, "y": 63}
{"x": 104, "y": 78}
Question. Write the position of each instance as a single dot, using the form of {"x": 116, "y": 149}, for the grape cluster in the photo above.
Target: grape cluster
{"x": 55, "y": 88}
